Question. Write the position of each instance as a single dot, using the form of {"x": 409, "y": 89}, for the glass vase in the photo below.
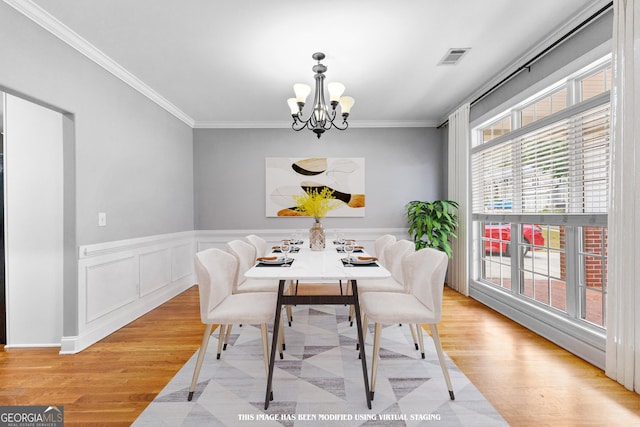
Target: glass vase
{"x": 316, "y": 237}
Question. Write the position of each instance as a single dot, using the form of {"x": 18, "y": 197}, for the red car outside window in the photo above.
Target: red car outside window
{"x": 498, "y": 237}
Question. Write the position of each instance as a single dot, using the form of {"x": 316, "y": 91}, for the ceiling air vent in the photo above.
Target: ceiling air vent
{"x": 453, "y": 56}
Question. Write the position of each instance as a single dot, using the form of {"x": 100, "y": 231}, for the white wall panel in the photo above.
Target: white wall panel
{"x": 123, "y": 280}
{"x": 182, "y": 260}
{"x": 155, "y": 270}
{"x": 110, "y": 286}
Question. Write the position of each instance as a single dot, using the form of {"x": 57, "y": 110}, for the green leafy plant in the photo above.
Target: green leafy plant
{"x": 433, "y": 224}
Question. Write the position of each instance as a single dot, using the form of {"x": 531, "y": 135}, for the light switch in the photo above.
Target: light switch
{"x": 102, "y": 219}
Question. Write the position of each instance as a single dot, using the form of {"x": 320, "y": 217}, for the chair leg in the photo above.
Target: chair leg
{"x": 374, "y": 362}
{"x": 443, "y": 362}
{"x": 365, "y": 326}
{"x": 265, "y": 347}
{"x": 201, "y": 353}
{"x": 281, "y": 341}
{"x": 351, "y": 315}
{"x": 221, "y": 335}
{"x": 289, "y": 315}
{"x": 420, "y": 339}
{"x": 290, "y": 292}
{"x": 226, "y": 337}
{"x": 412, "y": 328}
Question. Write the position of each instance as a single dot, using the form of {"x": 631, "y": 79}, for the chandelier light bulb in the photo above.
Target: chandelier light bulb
{"x": 335, "y": 91}
{"x": 293, "y": 106}
{"x": 346, "y": 102}
{"x": 302, "y": 91}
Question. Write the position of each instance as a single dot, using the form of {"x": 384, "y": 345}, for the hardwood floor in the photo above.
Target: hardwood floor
{"x": 529, "y": 380}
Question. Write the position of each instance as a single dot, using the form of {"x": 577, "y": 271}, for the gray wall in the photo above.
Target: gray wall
{"x": 598, "y": 32}
{"x": 123, "y": 154}
{"x": 133, "y": 160}
{"x": 402, "y": 164}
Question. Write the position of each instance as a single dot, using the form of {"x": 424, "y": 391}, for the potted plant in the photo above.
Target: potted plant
{"x": 433, "y": 224}
{"x": 316, "y": 204}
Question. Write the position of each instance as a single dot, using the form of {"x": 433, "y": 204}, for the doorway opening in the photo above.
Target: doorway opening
{"x": 3, "y": 299}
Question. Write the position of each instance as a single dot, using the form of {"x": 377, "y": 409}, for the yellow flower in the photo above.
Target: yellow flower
{"x": 316, "y": 203}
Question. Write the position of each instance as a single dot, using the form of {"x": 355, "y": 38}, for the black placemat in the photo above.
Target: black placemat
{"x": 259, "y": 264}
{"x": 373, "y": 264}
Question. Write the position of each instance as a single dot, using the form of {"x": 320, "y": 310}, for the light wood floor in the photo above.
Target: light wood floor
{"x": 529, "y": 380}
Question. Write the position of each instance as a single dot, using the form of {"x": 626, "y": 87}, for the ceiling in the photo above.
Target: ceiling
{"x": 232, "y": 63}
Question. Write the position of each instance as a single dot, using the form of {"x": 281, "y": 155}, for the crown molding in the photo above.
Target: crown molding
{"x": 240, "y": 125}
{"x": 393, "y": 123}
{"x": 286, "y": 125}
{"x": 67, "y": 35}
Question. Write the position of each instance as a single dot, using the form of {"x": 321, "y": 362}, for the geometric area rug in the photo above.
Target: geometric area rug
{"x": 319, "y": 382}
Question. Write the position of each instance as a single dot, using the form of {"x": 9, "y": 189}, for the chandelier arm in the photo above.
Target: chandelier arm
{"x": 346, "y": 125}
{"x": 301, "y": 125}
{"x": 329, "y": 122}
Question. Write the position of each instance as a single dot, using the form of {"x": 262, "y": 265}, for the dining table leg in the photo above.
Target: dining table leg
{"x": 365, "y": 375}
{"x": 274, "y": 344}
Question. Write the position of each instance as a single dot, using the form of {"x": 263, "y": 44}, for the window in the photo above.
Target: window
{"x": 539, "y": 197}
{"x": 496, "y": 129}
{"x": 561, "y": 167}
{"x": 595, "y": 83}
{"x": 544, "y": 107}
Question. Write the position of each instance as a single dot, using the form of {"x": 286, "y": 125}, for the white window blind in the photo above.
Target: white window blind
{"x": 560, "y": 165}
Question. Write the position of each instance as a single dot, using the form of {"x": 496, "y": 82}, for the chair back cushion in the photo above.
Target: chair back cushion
{"x": 215, "y": 270}
{"x": 245, "y": 253}
{"x": 259, "y": 243}
{"x": 379, "y": 245}
{"x": 424, "y": 273}
{"x": 393, "y": 255}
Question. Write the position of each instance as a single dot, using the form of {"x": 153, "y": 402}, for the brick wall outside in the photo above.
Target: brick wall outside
{"x": 563, "y": 256}
{"x": 593, "y": 244}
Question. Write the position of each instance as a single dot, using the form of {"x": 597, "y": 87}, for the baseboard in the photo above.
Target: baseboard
{"x": 120, "y": 281}
{"x": 110, "y": 324}
{"x": 574, "y": 338}
{"x": 43, "y": 345}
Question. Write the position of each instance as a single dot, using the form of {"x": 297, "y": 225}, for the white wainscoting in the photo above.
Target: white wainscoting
{"x": 120, "y": 281}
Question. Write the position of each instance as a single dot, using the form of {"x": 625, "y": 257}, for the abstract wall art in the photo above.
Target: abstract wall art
{"x": 287, "y": 177}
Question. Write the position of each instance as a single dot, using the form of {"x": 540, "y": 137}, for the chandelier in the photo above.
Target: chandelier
{"x": 323, "y": 116}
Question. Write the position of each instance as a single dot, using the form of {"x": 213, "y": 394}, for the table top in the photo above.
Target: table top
{"x": 318, "y": 265}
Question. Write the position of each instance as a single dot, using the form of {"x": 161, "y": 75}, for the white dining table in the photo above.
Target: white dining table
{"x": 315, "y": 266}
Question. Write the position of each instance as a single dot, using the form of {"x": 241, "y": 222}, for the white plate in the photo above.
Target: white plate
{"x": 360, "y": 261}
{"x": 280, "y": 260}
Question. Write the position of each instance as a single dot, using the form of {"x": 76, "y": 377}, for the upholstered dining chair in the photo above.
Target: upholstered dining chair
{"x": 380, "y": 244}
{"x": 424, "y": 273}
{"x": 262, "y": 249}
{"x": 259, "y": 243}
{"x": 393, "y": 255}
{"x": 245, "y": 253}
{"x": 216, "y": 270}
